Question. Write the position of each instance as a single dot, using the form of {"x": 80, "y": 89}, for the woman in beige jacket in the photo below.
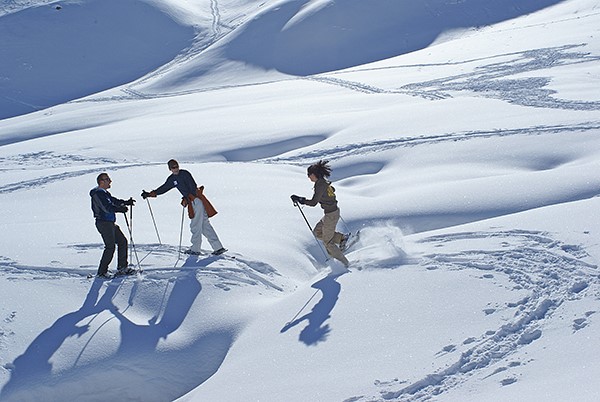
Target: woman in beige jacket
{"x": 324, "y": 194}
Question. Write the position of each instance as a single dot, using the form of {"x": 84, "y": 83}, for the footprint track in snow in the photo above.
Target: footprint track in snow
{"x": 549, "y": 270}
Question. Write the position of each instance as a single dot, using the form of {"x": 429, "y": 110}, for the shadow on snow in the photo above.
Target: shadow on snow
{"x": 303, "y": 37}
{"x": 317, "y": 331}
{"x": 137, "y": 356}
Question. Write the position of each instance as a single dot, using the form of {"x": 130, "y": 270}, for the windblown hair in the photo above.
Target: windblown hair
{"x": 321, "y": 169}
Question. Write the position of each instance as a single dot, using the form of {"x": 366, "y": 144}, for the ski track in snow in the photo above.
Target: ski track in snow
{"x": 216, "y": 20}
{"x": 201, "y": 42}
{"x": 491, "y": 80}
{"x": 45, "y": 180}
{"x": 161, "y": 262}
{"x": 487, "y": 77}
{"x": 371, "y": 147}
{"x": 550, "y": 271}
{"x": 50, "y": 159}
{"x": 45, "y": 159}
{"x": 10, "y": 6}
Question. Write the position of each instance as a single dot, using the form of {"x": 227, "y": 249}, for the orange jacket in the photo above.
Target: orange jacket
{"x": 208, "y": 207}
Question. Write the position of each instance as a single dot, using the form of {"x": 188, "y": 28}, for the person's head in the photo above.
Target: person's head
{"x": 103, "y": 180}
{"x": 173, "y": 166}
{"x": 319, "y": 170}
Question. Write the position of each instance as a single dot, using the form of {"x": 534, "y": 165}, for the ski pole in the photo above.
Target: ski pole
{"x": 311, "y": 231}
{"x": 132, "y": 243}
{"x": 180, "y": 237}
{"x": 153, "y": 221}
{"x": 155, "y": 229}
{"x": 345, "y": 224}
{"x": 131, "y": 229}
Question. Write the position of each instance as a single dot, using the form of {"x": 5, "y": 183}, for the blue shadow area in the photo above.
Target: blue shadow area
{"x": 50, "y": 56}
{"x": 295, "y": 39}
{"x": 34, "y": 367}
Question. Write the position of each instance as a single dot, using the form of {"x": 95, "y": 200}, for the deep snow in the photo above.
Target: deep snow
{"x": 464, "y": 142}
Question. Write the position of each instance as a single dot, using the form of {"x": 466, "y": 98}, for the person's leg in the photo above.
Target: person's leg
{"x": 107, "y": 231}
{"x": 330, "y": 221}
{"x": 337, "y": 236}
{"x": 121, "y": 241}
{"x": 205, "y": 228}
{"x": 318, "y": 230}
{"x": 197, "y": 226}
{"x": 211, "y": 234}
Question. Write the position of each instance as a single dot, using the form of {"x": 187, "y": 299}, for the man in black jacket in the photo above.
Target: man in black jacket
{"x": 105, "y": 207}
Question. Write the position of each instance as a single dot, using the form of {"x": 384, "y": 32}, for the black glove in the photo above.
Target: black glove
{"x": 297, "y": 199}
{"x": 121, "y": 208}
{"x": 130, "y": 202}
{"x": 145, "y": 194}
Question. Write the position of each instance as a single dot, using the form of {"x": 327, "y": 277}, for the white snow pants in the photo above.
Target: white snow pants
{"x": 199, "y": 226}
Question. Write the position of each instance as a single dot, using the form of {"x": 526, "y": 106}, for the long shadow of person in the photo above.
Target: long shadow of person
{"x": 34, "y": 364}
{"x": 317, "y": 331}
{"x": 136, "y": 338}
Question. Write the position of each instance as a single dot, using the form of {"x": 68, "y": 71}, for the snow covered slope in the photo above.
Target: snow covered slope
{"x": 464, "y": 142}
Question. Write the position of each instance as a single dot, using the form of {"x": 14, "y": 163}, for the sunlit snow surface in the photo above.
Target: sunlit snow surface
{"x": 464, "y": 141}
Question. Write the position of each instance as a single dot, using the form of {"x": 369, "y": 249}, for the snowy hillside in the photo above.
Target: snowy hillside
{"x": 465, "y": 143}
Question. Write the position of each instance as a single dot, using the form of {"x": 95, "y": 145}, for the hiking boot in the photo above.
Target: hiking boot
{"x": 219, "y": 251}
{"x": 105, "y": 275}
{"x": 192, "y": 252}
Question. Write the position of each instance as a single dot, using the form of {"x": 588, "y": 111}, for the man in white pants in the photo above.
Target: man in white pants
{"x": 199, "y": 209}
{"x": 200, "y": 225}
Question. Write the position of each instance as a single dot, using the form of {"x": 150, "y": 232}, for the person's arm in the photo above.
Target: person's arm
{"x": 320, "y": 188}
{"x": 117, "y": 205}
{"x": 109, "y": 204}
{"x": 168, "y": 185}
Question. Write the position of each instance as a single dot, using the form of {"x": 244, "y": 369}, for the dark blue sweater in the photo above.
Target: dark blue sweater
{"x": 183, "y": 181}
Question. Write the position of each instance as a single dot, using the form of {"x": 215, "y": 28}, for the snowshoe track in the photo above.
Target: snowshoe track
{"x": 549, "y": 270}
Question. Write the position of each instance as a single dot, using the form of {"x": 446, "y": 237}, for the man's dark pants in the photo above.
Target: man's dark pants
{"x": 111, "y": 235}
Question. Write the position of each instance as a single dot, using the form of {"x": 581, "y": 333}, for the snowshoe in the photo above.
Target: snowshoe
{"x": 344, "y": 242}
{"x": 125, "y": 271}
{"x": 349, "y": 240}
{"x": 219, "y": 251}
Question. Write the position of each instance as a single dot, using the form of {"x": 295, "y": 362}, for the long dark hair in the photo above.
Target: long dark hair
{"x": 321, "y": 169}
